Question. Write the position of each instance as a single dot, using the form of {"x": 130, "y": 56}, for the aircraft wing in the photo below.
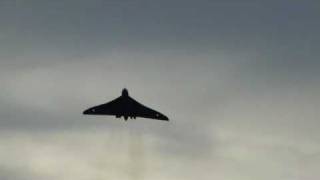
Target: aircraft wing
{"x": 140, "y": 110}
{"x": 110, "y": 108}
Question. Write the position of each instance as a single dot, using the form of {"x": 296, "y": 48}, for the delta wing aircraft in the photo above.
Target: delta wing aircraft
{"x": 126, "y": 107}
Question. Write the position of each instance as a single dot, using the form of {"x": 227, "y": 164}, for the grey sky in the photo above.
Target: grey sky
{"x": 239, "y": 81}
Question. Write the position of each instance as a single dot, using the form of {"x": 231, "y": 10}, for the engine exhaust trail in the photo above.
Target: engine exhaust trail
{"x": 137, "y": 156}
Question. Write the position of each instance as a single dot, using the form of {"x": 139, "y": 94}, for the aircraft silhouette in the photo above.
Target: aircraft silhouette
{"x": 127, "y": 107}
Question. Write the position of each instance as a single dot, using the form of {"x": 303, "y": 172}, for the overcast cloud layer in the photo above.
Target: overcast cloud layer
{"x": 238, "y": 80}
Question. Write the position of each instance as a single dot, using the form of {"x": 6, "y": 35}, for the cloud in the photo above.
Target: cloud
{"x": 101, "y": 153}
{"x": 239, "y": 82}
{"x": 84, "y": 155}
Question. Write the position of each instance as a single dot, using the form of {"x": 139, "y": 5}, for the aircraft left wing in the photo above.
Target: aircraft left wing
{"x": 140, "y": 110}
